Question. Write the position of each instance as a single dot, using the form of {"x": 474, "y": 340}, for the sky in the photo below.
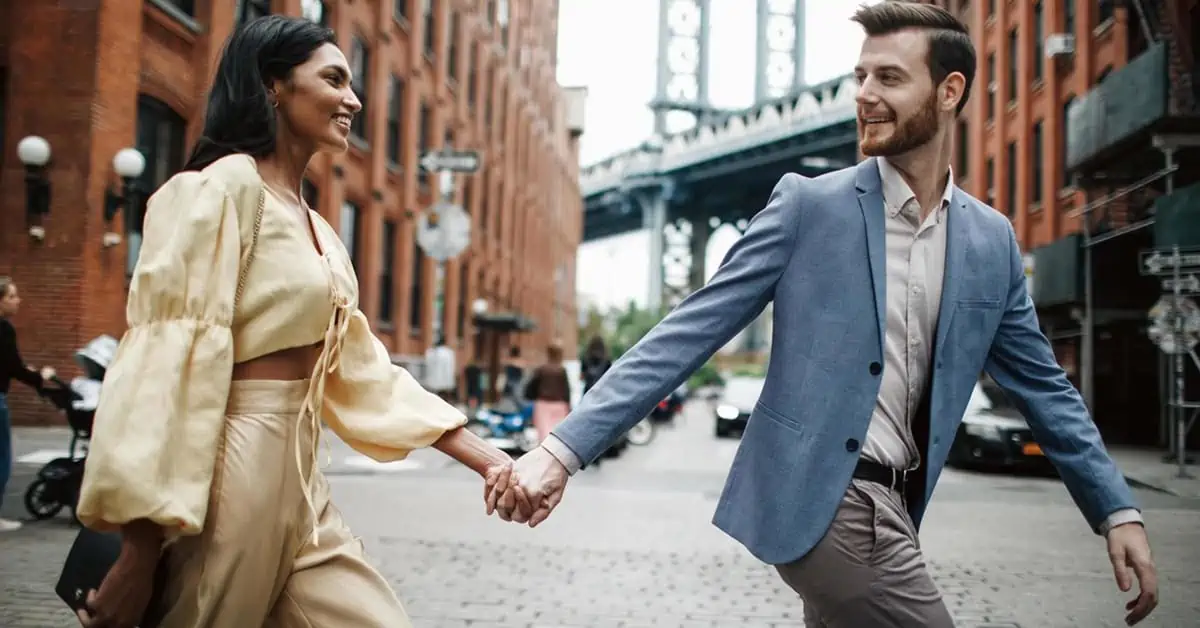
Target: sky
{"x": 609, "y": 46}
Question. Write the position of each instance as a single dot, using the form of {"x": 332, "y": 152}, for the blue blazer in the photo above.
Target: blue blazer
{"x": 817, "y": 251}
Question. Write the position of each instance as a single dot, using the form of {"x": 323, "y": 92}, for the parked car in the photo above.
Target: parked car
{"x": 994, "y": 434}
{"x": 734, "y": 404}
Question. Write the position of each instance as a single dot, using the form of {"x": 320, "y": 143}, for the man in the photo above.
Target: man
{"x": 893, "y": 289}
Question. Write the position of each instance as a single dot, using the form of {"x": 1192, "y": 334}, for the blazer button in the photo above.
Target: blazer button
{"x": 851, "y": 445}
{"x": 876, "y": 368}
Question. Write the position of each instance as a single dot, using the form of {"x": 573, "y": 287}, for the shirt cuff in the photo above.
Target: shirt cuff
{"x": 1121, "y": 517}
{"x": 562, "y": 453}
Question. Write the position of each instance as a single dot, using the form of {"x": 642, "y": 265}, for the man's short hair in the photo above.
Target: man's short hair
{"x": 950, "y": 45}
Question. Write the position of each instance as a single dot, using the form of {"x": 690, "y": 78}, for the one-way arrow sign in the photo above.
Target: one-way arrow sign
{"x": 457, "y": 161}
{"x": 1160, "y": 262}
{"x": 1188, "y": 284}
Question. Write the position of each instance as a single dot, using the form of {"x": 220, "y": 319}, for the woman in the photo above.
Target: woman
{"x": 244, "y": 334}
{"x": 11, "y": 367}
{"x": 550, "y": 391}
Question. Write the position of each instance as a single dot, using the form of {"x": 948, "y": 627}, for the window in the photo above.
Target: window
{"x": 1010, "y": 166}
{"x": 186, "y": 7}
{"x": 387, "y": 278}
{"x": 1038, "y": 35}
{"x": 400, "y": 10}
{"x": 395, "y": 115}
{"x": 991, "y": 86}
{"x": 1035, "y": 164}
{"x": 429, "y": 15}
{"x": 1069, "y": 17}
{"x": 464, "y": 274}
{"x": 348, "y": 229}
{"x": 1104, "y": 11}
{"x": 991, "y": 8}
{"x": 360, "y": 64}
{"x": 160, "y": 139}
{"x": 1066, "y": 115}
{"x": 416, "y": 290}
{"x": 315, "y": 11}
{"x": 1013, "y": 57}
{"x": 308, "y": 190}
{"x": 452, "y": 47}
{"x": 249, "y": 10}
{"x": 423, "y": 129}
{"x": 502, "y": 20}
{"x": 472, "y": 76}
{"x": 990, "y": 192}
{"x": 963, "y": 149}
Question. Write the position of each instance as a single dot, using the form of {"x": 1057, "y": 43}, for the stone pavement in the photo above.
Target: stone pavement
{"x": 1144, "y": 466}
{"x": 631, "y": 546}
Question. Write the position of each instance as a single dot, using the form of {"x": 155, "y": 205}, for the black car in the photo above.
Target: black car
{"x": 994, "y": 434}
{"x": 735, "y": 403}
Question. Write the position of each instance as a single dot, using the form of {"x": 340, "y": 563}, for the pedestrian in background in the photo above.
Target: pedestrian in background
{"x": 440, "y": 370}
{"x": 11, "y": 367}
{"x": 549, "y": 388}
{"x": 596, "y": 362}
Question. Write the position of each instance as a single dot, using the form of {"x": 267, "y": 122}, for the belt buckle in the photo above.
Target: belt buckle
{"x": 899, "y": 480}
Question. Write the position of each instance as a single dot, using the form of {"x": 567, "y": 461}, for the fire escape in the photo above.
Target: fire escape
{"x": 1132, "y": 146}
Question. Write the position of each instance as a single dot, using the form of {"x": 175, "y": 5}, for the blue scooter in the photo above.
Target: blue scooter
{"x": 508, "y": 426}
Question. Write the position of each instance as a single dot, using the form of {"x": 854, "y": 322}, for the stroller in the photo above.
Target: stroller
{"x": 58, "y": 482}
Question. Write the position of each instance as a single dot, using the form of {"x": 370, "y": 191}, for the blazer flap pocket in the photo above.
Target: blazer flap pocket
{"x": 762, "y": 409}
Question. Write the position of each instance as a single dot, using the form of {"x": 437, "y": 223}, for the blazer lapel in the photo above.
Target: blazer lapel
{"x": 870, "y": 200}
{"x": 952, "y": 278}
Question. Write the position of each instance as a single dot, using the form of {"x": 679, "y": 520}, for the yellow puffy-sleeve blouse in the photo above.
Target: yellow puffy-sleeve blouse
{"x": 162, "y": 407}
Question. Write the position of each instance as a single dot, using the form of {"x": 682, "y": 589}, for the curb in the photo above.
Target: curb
{"x": 1149, "y": 486}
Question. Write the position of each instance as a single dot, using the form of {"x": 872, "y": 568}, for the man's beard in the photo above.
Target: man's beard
{"x": 914, "y": 132}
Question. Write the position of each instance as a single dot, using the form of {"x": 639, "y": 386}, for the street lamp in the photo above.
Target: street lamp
{"x": 128, "y": 164}
{"x": 34, "y": 152}
{"x": 479, "y": 306}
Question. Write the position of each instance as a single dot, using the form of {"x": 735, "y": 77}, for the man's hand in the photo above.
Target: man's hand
{"x": 542, "y": 479}
{"x": 1129, "y": 550}
{"x": 499, "y": 480}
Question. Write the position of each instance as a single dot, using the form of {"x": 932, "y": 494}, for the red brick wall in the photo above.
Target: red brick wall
{"x": 74, "y": 289}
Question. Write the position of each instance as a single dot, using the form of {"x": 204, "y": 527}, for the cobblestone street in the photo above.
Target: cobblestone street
{"x": 632, "y": 545}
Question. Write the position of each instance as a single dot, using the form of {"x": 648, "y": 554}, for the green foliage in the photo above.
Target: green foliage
{"x": 623, "y": 328}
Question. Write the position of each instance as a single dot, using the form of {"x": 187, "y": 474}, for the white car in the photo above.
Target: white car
{"x": 735, "y": 403}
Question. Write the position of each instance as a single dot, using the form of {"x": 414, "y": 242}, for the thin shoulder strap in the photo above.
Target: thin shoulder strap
{"x": 262, "y": 199}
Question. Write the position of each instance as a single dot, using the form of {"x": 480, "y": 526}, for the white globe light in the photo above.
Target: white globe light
{"x": 33, "y": 151}
{"x": 479, "y": 306}
{"x": 129, "y": 163}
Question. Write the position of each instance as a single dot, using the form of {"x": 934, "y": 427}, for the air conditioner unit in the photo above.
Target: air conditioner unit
{"x": 1060, "y": 44}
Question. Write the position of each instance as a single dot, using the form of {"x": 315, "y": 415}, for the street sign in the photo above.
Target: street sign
{"x": 1162, "y": 324}
{"x": 1188, "y": 284}
{"x": 1164, "y": 262}
{"x": 444, "y": 231}
{"x": 457, "y": 161}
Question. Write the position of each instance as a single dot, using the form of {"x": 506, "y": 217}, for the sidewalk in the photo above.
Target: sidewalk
{"x": 1144, "y": 467}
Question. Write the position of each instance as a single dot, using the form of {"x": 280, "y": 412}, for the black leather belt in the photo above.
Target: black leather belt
{"x": 894, "y": 479}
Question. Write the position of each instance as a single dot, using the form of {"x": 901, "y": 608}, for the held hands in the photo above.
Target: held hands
{"x": 1129, "y": 551}
{"x": 538, "y": 482}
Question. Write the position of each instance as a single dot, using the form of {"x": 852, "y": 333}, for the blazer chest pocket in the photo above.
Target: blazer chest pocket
{"x": 979, "y": 303}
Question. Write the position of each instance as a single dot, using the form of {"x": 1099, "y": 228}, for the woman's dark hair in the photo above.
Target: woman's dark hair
{"x": 240, "y": 117}
{"x": 597, "y": 350}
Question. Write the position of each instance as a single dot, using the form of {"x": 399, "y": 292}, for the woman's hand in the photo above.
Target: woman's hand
{"x": 124, "y": 595}
{"x": 498, "y": 480}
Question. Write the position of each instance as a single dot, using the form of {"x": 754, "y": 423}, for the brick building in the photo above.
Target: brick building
{"x": 1073, "y": 99}
{"x": 95, "y": 76}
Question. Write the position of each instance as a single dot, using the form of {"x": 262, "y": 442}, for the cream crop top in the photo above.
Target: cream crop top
{"x": 162, "y": 406}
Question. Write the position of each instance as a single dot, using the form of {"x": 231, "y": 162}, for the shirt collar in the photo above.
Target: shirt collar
{"x": 896, "y": 193}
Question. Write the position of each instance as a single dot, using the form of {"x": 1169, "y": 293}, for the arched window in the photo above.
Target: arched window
{"x": 160, "y": 138}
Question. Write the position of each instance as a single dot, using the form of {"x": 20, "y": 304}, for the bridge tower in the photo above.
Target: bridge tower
{"x": 677, "y": 247}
